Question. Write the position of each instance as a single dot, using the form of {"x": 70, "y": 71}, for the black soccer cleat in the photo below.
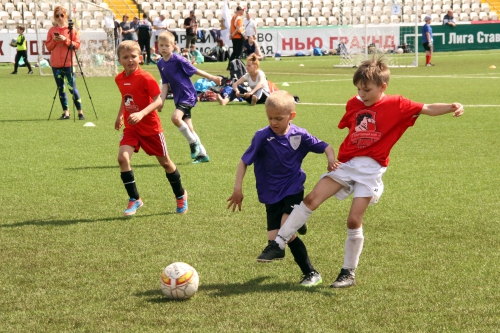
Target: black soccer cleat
{"x": 271, "y": 252}
{"x": 345, "y": 279}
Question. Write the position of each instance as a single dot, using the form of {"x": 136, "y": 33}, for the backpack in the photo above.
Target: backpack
{"x": 272, "y": 86}
{"x": 201, "y": 85}
{"x": 208, "y": 96}
{"x": 237, "y": 69}
{"x": 317, "y": 51}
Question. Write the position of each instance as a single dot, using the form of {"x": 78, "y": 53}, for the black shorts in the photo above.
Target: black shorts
{"x": 185, "y": 108}
{"x": 428, "y": 47}
{"x": 275, "y": 211}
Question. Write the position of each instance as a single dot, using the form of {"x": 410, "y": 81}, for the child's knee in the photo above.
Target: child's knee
{"x": 311, "y": 201}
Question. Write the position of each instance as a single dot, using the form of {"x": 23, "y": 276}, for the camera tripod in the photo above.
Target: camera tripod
{"x": 72, "y": 78}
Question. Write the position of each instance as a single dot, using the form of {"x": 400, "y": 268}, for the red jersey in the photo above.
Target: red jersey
{"x": 374, "y": 130}
{"x": 138, "y": 90}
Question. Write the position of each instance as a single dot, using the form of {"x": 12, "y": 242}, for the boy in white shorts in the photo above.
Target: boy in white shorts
{"x": 376, "y": 122}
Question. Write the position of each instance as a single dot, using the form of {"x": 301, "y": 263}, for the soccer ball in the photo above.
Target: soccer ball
{"x": 179, "y": 281}
{"x": 400, "y": 50}
{"x": 13, "y": 43}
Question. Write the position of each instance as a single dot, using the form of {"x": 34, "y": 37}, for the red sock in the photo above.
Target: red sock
{"x": 427, "y": 59}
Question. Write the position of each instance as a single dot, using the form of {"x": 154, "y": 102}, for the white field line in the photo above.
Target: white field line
{"x": 465, "y": 105}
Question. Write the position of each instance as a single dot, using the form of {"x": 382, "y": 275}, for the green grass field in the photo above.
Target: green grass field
{"x": 69, "y": 261}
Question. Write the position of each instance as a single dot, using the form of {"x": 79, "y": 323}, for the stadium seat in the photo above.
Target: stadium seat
{"x": 284, "y": 13}
{"x": 427, "y": 10}
{"x": 172, "y": 24}
{"x": 395, "y": 19}
{"x": 483, "y": 16}
{"x": 273, "y": 13}
{"x": 436, "y": 9}
{"x": 485, "y": 8}
{"x": 215, "y": 23}
{"x": 98, "y": 15}
{"x": 211, "y": 5}
{"x": 315, "y": 12}
{"x": 204, "y": 23}
{"x": 291, "y": 22}
{"x": 179, "y": 6}
{"x": 85, "y": 15}
{"x": 328, "y": 4}
{"x": 259, "y": 22}
{"x": 263, "y": 14}
{"x": 317, "y": 4}
{"x": 466, "y": 8}
{"x": 385, "y": 19}
{"x": 9, "y": 7}
{"x": 218, "y": 14}
{"x": 436, "y": 18}
{"x": 362, "y": 19}
{"x": 156, "y": 6}
{"x": 280, "y": 22}
{"x": 294, "y": 12}
{"x": 325, "y": 12}
{"x": 306, "y": 4}
{"x": 347, "y": 12}
{"x": 146, "y": 7}
{"x": 464, "y": 17}
{"x": 305, "y": 12}
{"x": 47, "y": 24}
{"x": 312, "y": 21}
{"x": 270, "y": 22}
{"x": 275, "y": 5}
{"x": 175, "y": 15}
{"x": 180, "y": 23}
{"x": 322, "y": 21}
{"x": 375, "y": 19}
{"x": 456, "y": 8}
{"x": 295, "y": 4}
{"x": 475, "y": 8}
{"x": 200, "y": 5}
{"x": 198, "y": 14}
{"x": 94, "y": 24}
{"x": 286, "y": 4}
{"x": 377, "y": 11}
{"x": 332, "y": 20}
{"x": 208, "y": 14}
{"x": 265, "y": 5}
{"x": 168, "y": 6}
{"x": 493, "y": 16}
{"x": 4, "y": 16}
{"x": 474, "y": 16}
{"x": 407, "y": 10}
{"x": 15, "y": 15}
{"x": 336, "y": 12}
{"x": 40, "y": 16}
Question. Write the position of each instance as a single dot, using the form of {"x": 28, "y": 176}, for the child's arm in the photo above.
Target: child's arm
{"x": 163, "y": 96}
{"x": 330, "y": 155}
{"x": 119, "y": 118}
{"x": 438, "y": 109}
{"x": 216, "y": 79}
{"x": 237, "y": 197}
{"x": 136, "y": 117}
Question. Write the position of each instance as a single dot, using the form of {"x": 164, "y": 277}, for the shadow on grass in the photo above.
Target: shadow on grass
{"x": 230, "y": 289}
{"x": 62, "y": 223}
{"x": 136, "y": 166}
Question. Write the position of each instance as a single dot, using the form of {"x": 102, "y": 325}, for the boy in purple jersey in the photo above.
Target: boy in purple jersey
{"x": 176, "y": 71}
{"x": 277, "y": 152}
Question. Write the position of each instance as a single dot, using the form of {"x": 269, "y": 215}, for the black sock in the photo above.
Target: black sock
{"x": 129, "y": 183}
{"x": 299, "y": 253}
{"x": 174, "y": 179}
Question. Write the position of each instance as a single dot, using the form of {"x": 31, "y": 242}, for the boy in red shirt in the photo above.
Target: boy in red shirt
{"x": 140, "y": 99}
{"x": 376, "y": 122}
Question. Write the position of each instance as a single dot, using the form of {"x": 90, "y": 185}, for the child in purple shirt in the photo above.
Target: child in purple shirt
{"x": 277, "y": 152}
{"x": 176, "y": 71}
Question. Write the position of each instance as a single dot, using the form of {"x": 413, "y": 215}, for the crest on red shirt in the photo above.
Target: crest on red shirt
{"x": 295, "y": 141}
{"x": 129, "y": 103}
{"x": 365, "y": 133}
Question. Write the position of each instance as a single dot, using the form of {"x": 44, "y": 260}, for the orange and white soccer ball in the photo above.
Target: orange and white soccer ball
{"x": 179, "y": 281}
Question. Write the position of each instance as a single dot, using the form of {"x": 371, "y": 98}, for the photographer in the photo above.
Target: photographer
{"x": 62, "y": 41}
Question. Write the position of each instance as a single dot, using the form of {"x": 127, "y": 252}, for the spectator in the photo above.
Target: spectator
{"x": 196, "y": 56}
{"x": 127, "y": 31}
{"x": 160, "y": 24}
{"x": 134, "y": 25}
{"x": 117, "y": 32}
{"x": 449, "y": 19}
{"x": 144, "y": 37}
{"x": 250, "y": 26}
{"x": 237, "y": 34}
{"x": 191, "y": 27}
{"x": 251, "y": 47}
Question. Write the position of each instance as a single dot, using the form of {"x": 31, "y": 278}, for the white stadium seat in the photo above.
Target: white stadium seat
{"x": 280, "y": 22}
{"x": 322, "y": 21}
{"x": 215, "y": 23}
{"x": 270, "y": 22}
{"x": 291, "y": 22}
{"x": 284, "y": 13}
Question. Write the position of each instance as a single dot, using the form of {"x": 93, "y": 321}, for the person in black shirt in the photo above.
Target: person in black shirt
{"x": 144, "y": 37}
{"x": 191, "y": 27}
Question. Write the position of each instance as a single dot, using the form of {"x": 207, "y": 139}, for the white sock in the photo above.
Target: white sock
{"x": 297, "y": 218}
{"x": 353, "y": 248}
{"x": 184, "y": 129}
{"x": 203, "y": 151}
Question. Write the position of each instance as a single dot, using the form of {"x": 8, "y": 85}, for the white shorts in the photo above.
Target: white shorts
{"x": 361, "y": 176}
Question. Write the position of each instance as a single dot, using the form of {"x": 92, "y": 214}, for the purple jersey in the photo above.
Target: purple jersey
{"x": 178, "y": 71}
{"x": 278, "y": 161}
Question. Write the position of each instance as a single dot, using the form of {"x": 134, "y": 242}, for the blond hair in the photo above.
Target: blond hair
{"x": 373, "y": 70}
{"x": 128, "y": 45}
{"x": 281, "y": 100}
{"x": 253, "y": 57}
{"x": 167, "y": 35}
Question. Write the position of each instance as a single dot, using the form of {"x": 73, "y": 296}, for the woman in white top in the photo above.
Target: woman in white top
{"x": 258, "y": 87}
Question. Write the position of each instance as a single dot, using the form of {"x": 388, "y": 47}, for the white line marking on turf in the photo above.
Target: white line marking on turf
{"x": 343, "y": 104}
